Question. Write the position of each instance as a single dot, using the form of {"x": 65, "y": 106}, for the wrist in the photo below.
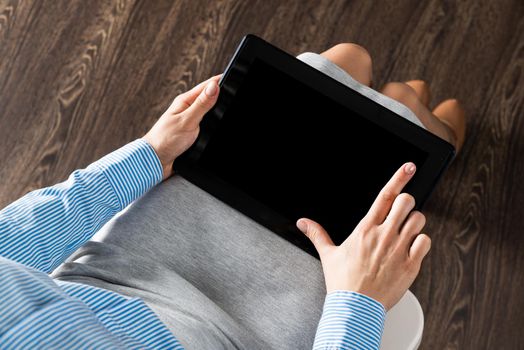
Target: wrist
{"x": 130, "y": 171}
{"x": 167, "y": 171}
{"x": 166, "y": 164}
{"x": 349, "y": 293}
{"x": 165, "y": 168}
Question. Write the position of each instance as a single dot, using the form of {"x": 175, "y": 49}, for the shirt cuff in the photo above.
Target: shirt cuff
{"x": 131, "y": 170}
{"x": 350, "y": 320}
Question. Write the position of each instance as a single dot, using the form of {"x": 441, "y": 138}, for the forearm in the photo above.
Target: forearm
{"x": 350, "y": 321}
{"x": 44, "y": 227}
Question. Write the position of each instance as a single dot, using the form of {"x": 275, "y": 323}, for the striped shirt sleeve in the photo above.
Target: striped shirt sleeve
{"x": 45, "y": 226}
{"x": 350, "y": 320}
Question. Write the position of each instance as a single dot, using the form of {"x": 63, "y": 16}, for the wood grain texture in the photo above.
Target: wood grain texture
{"x": 80, "y": 78}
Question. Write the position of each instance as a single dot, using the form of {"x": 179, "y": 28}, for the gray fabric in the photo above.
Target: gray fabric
{"x": 324, "y": 65}
{"x": 216, "y": 278}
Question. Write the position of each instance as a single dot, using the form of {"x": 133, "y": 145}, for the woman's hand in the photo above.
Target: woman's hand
{"x": 382, "y": 257}
{"x": 177, "y": 129}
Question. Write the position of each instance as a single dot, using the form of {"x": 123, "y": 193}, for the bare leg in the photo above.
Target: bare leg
{"x": 354, "y": 59}
{"x": 448, "y": 111}
{"x": 447, "y": 120}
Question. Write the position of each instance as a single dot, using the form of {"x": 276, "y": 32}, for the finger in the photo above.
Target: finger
{"x": 420, "y": 248}
{"x": 402, "y": 206}
{"x": 202, "y": 104}
{"x": 183, "y": 101}
{"x": 316, "y": 234}
{"x": 421, "y": 88}
{"x": 413, "y": 226}
{"x": 382, "y": 204}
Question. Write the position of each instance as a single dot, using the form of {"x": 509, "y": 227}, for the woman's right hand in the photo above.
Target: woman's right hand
{"x": 382, "y": 257}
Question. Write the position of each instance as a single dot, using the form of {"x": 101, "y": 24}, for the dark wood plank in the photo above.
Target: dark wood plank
{"x": 80, "y": 78}
{"x": 472, "y": 284}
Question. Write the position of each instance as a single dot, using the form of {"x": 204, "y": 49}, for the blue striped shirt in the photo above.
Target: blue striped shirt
{"x": 40, "y": 230}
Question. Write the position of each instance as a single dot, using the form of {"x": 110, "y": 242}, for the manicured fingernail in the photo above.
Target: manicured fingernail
{"x": 211, "y": 89}
{"x": 410, "y": 168}
{"x": 302, "y": 225}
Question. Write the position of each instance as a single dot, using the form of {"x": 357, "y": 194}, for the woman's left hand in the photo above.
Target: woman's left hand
{"x": 177, "y": 129}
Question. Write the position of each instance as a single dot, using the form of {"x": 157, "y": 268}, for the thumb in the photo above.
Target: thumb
{"x": 316, "y": 234}
{"x": 202, "y": 104}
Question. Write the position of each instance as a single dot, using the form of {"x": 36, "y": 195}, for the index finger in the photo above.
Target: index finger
{"x": 382, "y": 205}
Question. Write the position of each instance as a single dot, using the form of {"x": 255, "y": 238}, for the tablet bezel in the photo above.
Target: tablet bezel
{"x": 440, "y": 153}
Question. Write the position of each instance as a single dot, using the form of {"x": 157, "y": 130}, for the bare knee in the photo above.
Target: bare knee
{"x": 354, "y": 52}
{"x": 353, "y": 58}
{"x": 403, "y": 93}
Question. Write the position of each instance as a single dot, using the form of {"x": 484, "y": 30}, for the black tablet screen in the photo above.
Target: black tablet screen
{"x": 302, "y": 154}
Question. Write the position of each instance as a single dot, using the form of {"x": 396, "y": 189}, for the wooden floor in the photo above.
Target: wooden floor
{"x": 80, "y": 78}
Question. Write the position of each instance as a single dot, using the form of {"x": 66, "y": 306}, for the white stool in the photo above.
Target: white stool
{"x": 404, "y": 325}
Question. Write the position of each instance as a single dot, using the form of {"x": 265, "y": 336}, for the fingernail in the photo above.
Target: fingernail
{"x": 211, "y": 89}
{"x": 410, "y": 168}
{"x": 302, "y": 225}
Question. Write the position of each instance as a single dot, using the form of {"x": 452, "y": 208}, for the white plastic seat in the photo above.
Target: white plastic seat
{"x": 404, "y": 325}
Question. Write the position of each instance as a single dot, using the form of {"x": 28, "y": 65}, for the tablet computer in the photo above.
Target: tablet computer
{"x": 286, "y": 141}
